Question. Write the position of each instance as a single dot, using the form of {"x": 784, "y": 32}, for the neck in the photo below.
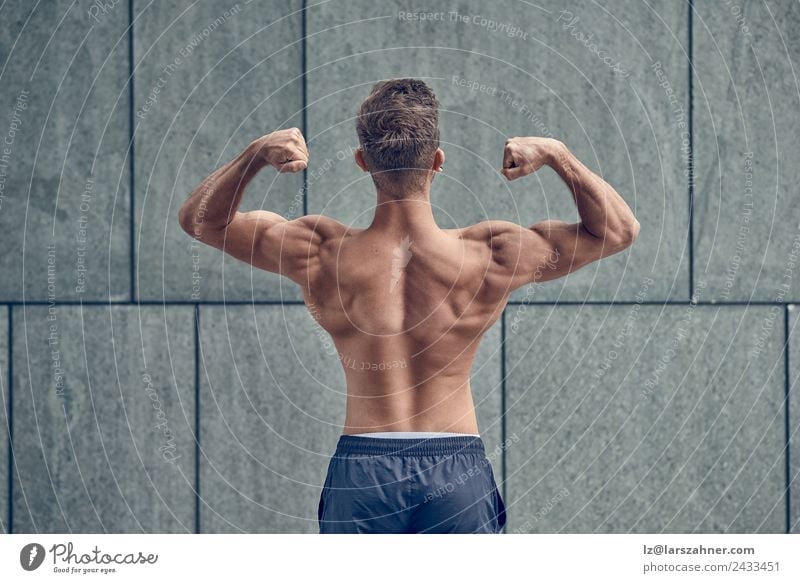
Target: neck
{"x": 412, "y": 213}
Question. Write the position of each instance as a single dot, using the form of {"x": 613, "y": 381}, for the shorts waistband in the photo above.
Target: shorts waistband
{"x": 349, "y": 445}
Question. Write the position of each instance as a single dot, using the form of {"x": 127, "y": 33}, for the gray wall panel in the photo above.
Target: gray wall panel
{"x": 103, "y": 419}
{"x": 646, "y": 419}
{"x": 271, "y": 404}
{"x": 210, "y": 78}
{"x": 64, "y": 196}
{"x": 747, "y": 133}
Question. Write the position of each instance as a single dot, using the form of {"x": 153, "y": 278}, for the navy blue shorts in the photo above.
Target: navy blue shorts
{"x": 414, "y": 485}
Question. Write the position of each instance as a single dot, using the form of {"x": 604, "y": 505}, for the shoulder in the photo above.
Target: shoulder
{"x": 491, "y": 232}
{"x": 510, "y": 246}
{"x": 323, "y": 227}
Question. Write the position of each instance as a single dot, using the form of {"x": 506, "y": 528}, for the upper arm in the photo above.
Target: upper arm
{"x": 270, "y": 242}
{"x": 545, "y": 251}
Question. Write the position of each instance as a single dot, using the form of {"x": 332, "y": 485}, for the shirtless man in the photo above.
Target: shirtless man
{"x": 411, "y": 300}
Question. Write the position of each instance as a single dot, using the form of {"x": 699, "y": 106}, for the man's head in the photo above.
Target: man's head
{"x": 398, "y": 128}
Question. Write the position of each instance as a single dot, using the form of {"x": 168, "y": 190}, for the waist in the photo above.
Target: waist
{"x": 449, "y": 444}
{"x": 414, "y": 408}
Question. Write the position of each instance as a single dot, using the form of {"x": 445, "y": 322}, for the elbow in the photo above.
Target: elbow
{"x": 186, "y": 220}
{"x": 195, "y": 224}
{"x": 626, "y": 235}
{"x": 632, "y": 232}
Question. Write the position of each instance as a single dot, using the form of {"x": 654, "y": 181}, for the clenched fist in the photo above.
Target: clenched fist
{"x": 284, "y": 150}
{"x": 523, "y": 156}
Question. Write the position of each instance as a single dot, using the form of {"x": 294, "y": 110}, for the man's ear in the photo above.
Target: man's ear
{"x": 438, "y": 160}
{"x": 359, "y": 157}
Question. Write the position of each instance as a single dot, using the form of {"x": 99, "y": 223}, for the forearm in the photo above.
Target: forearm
{"x": 604, "y": 213}
{"x": 213, "y": 204}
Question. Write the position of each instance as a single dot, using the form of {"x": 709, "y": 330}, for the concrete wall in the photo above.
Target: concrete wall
{"x": 153, "y": 385}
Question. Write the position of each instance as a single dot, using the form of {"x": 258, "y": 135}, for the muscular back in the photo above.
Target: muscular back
{"x": 406, "y": 314}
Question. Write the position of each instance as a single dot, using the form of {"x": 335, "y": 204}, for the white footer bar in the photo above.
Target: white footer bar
{"x": 400, "y": 558}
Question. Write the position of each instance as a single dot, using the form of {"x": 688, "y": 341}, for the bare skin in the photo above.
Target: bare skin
{"x": 405, "y": 302}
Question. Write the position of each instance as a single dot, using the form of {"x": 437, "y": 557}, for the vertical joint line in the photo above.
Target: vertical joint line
{"x": 197, "y": 418}
{"x": 10, "y": 425}
{"x": 131, "y": 153}
{"x": 787, "y": 419}
{"x": 304, "y": 84}
{"x": 690, "y": 160}
{"x": 503, "y": 428}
